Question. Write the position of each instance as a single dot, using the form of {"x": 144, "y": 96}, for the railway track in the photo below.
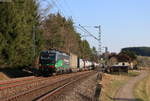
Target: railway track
{"x": 51, "y": 95}
{"x": 17, "y": 81}
{"x": 7, "y": 82}
{"x": 11, "y": 88}
{"x": 35, "y": 89}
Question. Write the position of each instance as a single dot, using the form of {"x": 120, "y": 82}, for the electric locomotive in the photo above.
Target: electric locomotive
{"x": 52, "y": 61}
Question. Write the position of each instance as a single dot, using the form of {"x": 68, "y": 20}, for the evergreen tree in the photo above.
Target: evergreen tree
{"x": 19, "y": 21}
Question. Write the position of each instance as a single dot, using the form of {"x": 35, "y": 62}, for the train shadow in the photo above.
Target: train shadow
{"x": 15, "y": 72}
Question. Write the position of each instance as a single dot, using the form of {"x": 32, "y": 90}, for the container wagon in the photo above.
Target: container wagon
{"x": 74, "y": 62}
{"x": 81, "y": 64}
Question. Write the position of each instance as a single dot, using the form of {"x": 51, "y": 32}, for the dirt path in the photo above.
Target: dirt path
{"x": 125, "y": 93}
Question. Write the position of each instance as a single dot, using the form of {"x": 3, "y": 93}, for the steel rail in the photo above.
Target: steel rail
{"x": 56, "y": 90}
{"x": 40, "y": 90}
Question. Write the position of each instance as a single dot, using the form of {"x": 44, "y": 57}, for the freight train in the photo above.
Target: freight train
{"x": 54, "y": 61}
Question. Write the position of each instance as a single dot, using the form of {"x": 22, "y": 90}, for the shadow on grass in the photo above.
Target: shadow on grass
{"x": 130, "y": 74}
{"x": 17, "y": 72}
{"x": 125, "y": 99}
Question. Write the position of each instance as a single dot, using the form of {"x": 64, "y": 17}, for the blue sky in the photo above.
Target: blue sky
{"x": 124, "y": 23}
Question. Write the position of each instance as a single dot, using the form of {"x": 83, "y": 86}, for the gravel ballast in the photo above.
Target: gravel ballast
{"x": 83, "y": 90}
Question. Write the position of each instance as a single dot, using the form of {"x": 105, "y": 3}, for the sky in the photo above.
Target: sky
{"x": 124, "y": 23}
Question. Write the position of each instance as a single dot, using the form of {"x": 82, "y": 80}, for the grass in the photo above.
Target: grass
{"x": 142, "y": 89}
{"x": 110, "y": 90}
{"x": 114, "y": 83}
{"x": 3, "y": 76}
{"x": 133, "y": 73}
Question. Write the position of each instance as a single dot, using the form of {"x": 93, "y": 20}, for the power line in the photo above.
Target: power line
{"x": 44, "y": 10}
{"x": 55, "y": 4}
{"x": 69, "y": 9}
{"x": 89, "y": 32}
{"x": 100, "y": 43}
{"x": 61, "y": 7}
{"x": 80, "y": 29}
{"x": 64, "y": 10}
{"x": 99, "y": 37}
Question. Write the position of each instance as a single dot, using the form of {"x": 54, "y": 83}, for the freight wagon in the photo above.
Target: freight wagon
{"x": 81, "y": 64}
{"x": 74, "y": 62}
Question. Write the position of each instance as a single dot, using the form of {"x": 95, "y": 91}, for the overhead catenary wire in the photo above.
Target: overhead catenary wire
{"x": 61, "y": 7}
{"x": 80, "y": 29}
{"x": 66, "y": 10}
{"x": 44, "y": 10}
{"x": 88, "y": 32}
{"x": 59, "y": 10}
{"x": 70, "y": 10}
{"x": 98, "y": 39}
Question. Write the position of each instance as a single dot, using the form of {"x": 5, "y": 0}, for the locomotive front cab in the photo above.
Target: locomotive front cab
{"x": 47, "y": 62}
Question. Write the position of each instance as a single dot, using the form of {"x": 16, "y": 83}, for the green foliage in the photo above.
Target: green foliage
{"x": 94, "y": 55}
{"x": 18, "y": 21}
{"x": 85, "y": 50}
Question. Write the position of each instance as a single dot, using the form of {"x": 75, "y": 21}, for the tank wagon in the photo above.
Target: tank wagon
{"x": 54, "y": 61}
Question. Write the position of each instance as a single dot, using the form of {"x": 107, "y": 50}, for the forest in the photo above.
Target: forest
{"x": 140, "y": 51}
{"x": 24, "y": 34}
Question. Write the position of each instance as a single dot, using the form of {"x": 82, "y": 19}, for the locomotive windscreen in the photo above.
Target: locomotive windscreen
{"x": 46, "y": 58}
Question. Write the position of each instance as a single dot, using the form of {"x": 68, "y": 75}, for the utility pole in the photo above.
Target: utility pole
{"x": 99, "y": 75}
{"x": 34, "y": 46}
{"x": 106, "y": 55}
{"x": 99, "y": 39}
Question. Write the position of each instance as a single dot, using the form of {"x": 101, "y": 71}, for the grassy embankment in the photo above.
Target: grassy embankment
{"x": 111, "y": 83}
{"x": 142, "y": 89}
{"x": 3, "y": 76}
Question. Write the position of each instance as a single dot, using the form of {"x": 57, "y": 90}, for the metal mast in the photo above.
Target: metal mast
{"x": 99, "y": 39}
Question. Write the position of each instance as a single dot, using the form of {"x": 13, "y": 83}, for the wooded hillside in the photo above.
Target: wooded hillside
{"x": 141, "y": 51}
{"x": 23, "y": 34}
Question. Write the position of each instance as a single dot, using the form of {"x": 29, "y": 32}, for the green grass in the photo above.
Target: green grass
{"x": 133, "y": 73}
{"x": 117, "y": 83}
{"x": 142, "y": 89}
{"x": 113, "y": 87}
